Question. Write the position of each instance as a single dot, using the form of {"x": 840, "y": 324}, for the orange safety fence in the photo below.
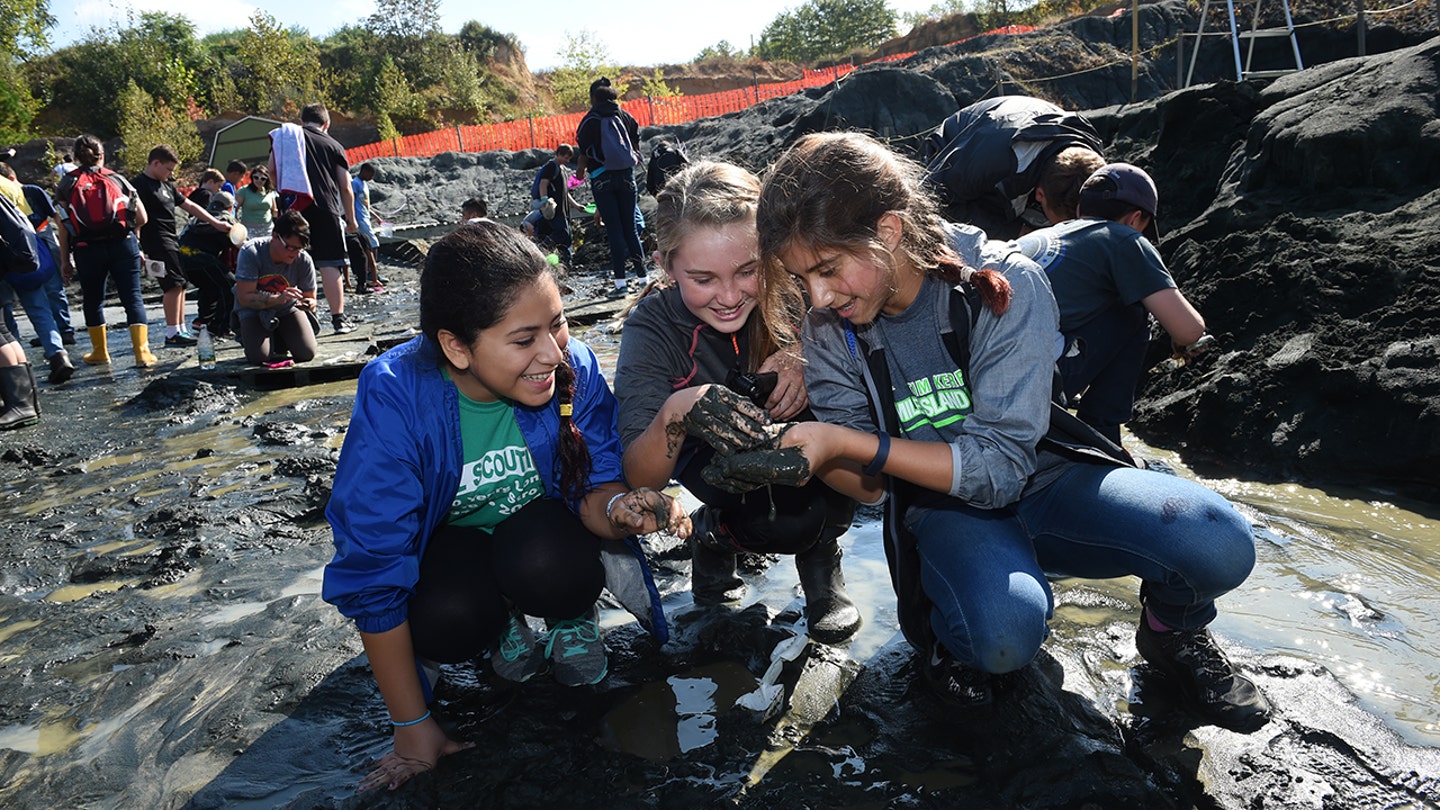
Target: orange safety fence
{"x": 550, "y": 131}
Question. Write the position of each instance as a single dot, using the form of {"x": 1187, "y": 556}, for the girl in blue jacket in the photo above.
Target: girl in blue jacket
{"x": 480, "y": 473}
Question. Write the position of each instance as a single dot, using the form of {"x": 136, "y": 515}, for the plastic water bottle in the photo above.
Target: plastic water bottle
{"x": 205, "y": 349}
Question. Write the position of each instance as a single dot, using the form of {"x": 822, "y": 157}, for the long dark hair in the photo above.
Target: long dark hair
{"x": 830, "y": 190}
{"x": 260, "y": 179}
{"x": 471, "y": 279}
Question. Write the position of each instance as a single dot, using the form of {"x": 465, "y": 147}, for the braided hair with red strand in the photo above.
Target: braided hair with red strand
{"x": 471, "y": 279}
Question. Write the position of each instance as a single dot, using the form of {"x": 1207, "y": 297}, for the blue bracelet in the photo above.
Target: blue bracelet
{"x": 881, "y": 454}
{"x": 417, "y": 721}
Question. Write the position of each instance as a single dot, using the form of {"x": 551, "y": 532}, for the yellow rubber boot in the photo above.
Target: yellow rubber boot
{"x": 140, "y": 340}
{"x": 99, "y": 354}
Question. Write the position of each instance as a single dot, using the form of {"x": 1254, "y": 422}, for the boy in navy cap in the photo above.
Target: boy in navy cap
{"x": 1108, "y": 280}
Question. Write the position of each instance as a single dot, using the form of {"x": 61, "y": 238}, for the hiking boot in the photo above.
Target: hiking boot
{"x": 576, "y": 650}
{"x": 829, "y": 613}
{"x": 955, "y": 684}
{"x": 179, "y": 340}
{"x": 1216, "y": 692}
{"x": 713, "y": 580}
{"x": 341, "y": 324}
{"x": 516, "y": 656}
{"x": 61, "y": 369}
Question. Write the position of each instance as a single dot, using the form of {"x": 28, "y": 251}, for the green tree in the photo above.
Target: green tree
{"x": 275, "y": 66}
{"x": 483, "y": 41}
{"x": 348, "y": 58}
{"x": 721, "y": 50}
{"x": 938, "y": 11}
{"x": 157, "y": 51}
{"x": 22, "y": 34}
{"x": 583, "y": 59}
{"x": 404, "y": 19}
{"x": 145, "y": 123}
{"x": 821, "y": 28}
{"x": 655, "y": 86}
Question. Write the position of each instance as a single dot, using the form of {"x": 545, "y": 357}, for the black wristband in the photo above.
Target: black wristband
{"x": 881, "y": 454}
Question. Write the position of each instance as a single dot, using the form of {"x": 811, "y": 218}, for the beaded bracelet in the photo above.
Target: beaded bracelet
{"x": 881, "y": 454}
{"x": 417, "y": 721}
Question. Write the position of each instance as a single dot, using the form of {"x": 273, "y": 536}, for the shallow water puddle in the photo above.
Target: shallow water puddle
{"x": 667, "y": 718}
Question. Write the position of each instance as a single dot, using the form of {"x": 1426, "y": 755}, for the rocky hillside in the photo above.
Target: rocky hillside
{"x": 1300, "y": 217}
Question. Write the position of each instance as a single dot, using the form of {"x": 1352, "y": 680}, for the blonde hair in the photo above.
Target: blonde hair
{"x": 711, "y": 194}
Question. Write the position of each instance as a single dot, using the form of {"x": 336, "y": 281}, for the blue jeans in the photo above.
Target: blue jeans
{"x": 985, "y": 570}
{"x": 37, "y": 308}
{"x": 615, "y": 199}
{"x": 55, "y": 287}
{"x": 119, "y": 261}
{"x": 1106, "y": 365}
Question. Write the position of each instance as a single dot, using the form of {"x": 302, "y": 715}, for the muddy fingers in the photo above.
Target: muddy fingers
{"x": 727, "y": 421}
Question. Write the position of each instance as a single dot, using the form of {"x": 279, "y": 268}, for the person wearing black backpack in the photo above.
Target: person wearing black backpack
{"x": 606, "y": 138}
{"x": 931, "y": 365}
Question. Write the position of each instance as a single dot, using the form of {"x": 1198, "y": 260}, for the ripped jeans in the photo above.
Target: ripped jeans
{"x": 985, "y": 570}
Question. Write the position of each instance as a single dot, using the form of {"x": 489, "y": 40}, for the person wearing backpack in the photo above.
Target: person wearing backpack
{"x": 31, "y": 288}
{"x": 548, "y": 222}
{"x": 1011, "y": 163}
{"x": 606, "y": 139}
{"x": 19, "y": 253}
{"x": 102, "y": 213}
{"x": 930, "y": 363}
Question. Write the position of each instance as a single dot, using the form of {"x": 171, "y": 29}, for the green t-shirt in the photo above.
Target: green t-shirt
{"x": 498, "y": 476}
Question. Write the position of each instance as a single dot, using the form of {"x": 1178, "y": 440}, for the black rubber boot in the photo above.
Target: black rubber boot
{"x": 831, "y": 615}
{"x": 713, "y": 580}
{"x": 17, "y": 386}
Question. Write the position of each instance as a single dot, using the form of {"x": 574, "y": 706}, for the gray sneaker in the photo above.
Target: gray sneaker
{"x": 516, "y": 656}
{"x": 576, "y": 651}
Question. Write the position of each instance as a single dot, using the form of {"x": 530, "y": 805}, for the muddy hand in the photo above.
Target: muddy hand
{"x": 423, "y": 746}
{"x": 743, "y": 472}
{"x": 645, "y": 510}
{"x": 393, "y": 771}
{"x": 727, "y": 421}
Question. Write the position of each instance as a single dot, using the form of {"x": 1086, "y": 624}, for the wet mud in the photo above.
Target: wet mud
{"x": 163, "y": 644}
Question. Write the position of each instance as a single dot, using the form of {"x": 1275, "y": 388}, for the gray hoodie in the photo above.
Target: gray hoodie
{"x": 995, "y": 418}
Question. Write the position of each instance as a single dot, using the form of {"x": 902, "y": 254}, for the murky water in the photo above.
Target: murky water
{"x": 1347, "y": 579}
{"x": 1344, "y": 579}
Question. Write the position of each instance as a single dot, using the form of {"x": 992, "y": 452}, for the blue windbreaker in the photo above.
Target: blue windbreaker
{"x": 400, "y": 468}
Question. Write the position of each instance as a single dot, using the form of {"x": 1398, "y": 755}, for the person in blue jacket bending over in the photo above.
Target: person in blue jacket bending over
{"x": 479, "y": 480}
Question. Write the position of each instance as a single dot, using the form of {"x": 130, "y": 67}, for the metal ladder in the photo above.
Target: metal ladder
{"x": 1244, "y": 72}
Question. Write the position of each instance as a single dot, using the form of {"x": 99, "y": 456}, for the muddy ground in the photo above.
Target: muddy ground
{"x": 164, "y": 645}
{"x": 162, "y": 642}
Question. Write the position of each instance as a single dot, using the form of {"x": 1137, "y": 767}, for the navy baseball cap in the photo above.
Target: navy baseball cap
{"x": 1126, "y": 183}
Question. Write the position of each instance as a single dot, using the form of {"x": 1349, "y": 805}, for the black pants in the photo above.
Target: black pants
{"x": 802, "y": 516}
{"x": 541, "y": 559}
{"x": 216, "y": 297}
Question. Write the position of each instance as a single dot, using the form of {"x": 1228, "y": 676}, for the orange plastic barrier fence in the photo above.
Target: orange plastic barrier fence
{"x": 553, "y": 130}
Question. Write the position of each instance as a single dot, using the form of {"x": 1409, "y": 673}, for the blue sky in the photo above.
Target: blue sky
{"x": 646, "y": 32}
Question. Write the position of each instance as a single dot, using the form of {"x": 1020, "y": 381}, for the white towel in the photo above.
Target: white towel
{"x": 287, "y": 143}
